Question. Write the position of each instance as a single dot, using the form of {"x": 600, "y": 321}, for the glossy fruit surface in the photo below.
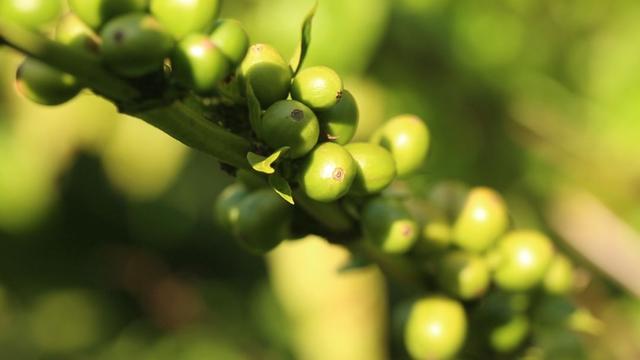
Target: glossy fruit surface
{"x": 231, "y": 38}
{"x": 268, "y": 73}
{"x": 482, "y": 220}
{"x": 508, "y": 336}
{"x": 183, "y": 17}
{"x": 558, "y": 279}
{"x": 44, "y": 84}
{"x": 388, "y": 226}
{"x": 375, "y": 166}
{"x": 327, "y": 173}
{"x": 33, "y": 13}
{"x": 290, "y": 123}
{"x": 262, "y": 222}
{"x": 227, "y": 204}
{"x": 407, "y": 138}
{"x": 318, "y": 87}
{"x": 436, "y": 328}
{"x": 525, "y": 256}
{"x": 198, "y": 64}
{"x": 135, "y": 44}
{"x": 340, "y": 122}
{"x": 96, "y": 13}
{"x": 463, "y": 274}
{"x": 73, "y": 32}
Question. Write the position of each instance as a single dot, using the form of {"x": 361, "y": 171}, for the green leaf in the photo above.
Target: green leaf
{"x": 301, "y": 51}
{"x": 255, "y": 111}
{"x": 264, "y": 164}
{"x": 281, "y": 187}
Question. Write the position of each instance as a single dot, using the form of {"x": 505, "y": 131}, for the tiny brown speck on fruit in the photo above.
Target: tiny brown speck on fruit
{"x": 297, "y": 114}
{"x": 407, "y": 231}
{"x": 339, "y": 95}
{"x": 338, "y": 174}
{"x": 118, "y": 36}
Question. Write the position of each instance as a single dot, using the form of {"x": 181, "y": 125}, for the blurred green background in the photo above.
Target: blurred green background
{"x": 108, "y": 249}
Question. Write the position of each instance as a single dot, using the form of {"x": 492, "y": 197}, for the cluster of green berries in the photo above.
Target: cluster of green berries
{"x": 182, "y": 41}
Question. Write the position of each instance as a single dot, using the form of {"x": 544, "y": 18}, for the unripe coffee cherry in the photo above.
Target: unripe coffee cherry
{"x": 135, "y": 44}
{"x": 96, "y": 13}
{"x": 289, "y": 123}
{"x": 327, "y": 173}
{"x": 199, "y": 64}
{"x": 180, "y": 17}
{"x": 436, "y": 328}
{"x": 318, "y": 87}
{"x": 389, "y": 226}
{"x": 436, "y": 236}
{"x": 72, "y": 32}
{"x": 269, "y": 74}
{"x": 44, "y": 84}
{"x": 407, "y": 138}
{"x": 227, "y": 205}
{"x": 482, "y": 220}
{"x": 375, "y": 166}
{"x": 340, "y": 122}
{"x": 32, "y": 13}
{"x": 463, "y": 274}
{"x": 524, "y": 257}
{"x": 263, "y": 221}
{"x": 231, "y": 38}
{"x": 508, "y": 336}
{"x": 558, "y": 279}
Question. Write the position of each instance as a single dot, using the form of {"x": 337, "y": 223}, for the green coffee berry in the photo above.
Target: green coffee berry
{"x": 289, "y": 123}
{"x": 340, "y": 122}
{"x": 463, "y": 275}
{"x": 387, "y": 225}
{"x": 327, "y": 173}
{"x": 524, "y": 258}
{"x": 231, "y": 38}
{"x": 436, "y": 328}
{"x": 72, "y": 32}
{"x": 482, "y": 220}
{"x": 199, "y": 64}
{"x": 558, "y": 279}
{"x": 375, "y": 168}
{"x": 44, "y": 84}
{"x": 407, "y": 138}
{"x": 318, "y": 87}
{"x": 268, "y": 73}
{"x": 96, "y": 13}
{"x": 436, "y": 236}
{"x": 263, "y": 221}
{"x": 180, "y": 17}
{"x": 32, "y": 13}
{"x": 227, "y": 204}
{"x": 508, "y": 336}
{"x": 135, "y": 44}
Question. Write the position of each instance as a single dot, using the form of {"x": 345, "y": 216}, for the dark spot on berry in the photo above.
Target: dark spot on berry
{"x": 338, "y": 174}
{"x": 407, "y": 231}
{"x": 228, "y": 79}
{"x": 339, "y": 95}
{"x": 297, "y": 114}
{"x": 118, "y": 36}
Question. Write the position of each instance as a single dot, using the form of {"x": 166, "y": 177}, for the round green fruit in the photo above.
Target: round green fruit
{"x": 318, "y": 87}
{"x": 340, "y": 122}
{"x": 96, "y": 13}
{"x": 199, "y": 64}
{"x": 524, "y": 257}
{"x": 289, "y": 123}
{"x": 375, "y": 168}
{"x": 262, "y": 221}
{"x": 327, "y": 173}
{"x": 436, "y": 329}
{"x": 508, "y": 336}
{"x": 135, "y": 44}
{"x": 464, "y": 275}
{"x": 72, "y": 32}
{"x": 558, "y": 279}
{"x": 407, "y": 138}
{"x": 231, "y": 38}
{"x": 227, "y": 204}
{"x": 44, "y": 84}
{"x": 436, "y": 236}
{"x": 32, "y": 13}
{"x": 181, "y": 17}
{"x": 482, "y": 220}
{"x": 388, "y": 226}
{"x": 267, "y": 73}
